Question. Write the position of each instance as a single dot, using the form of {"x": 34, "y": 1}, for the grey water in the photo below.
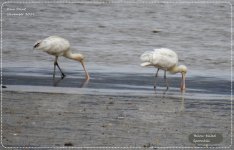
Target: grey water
{"x": 112, "y": 36}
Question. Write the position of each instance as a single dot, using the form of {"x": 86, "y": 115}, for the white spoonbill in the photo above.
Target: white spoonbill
{"x": 164, "y": 59}
{"x": 57, "y": 46}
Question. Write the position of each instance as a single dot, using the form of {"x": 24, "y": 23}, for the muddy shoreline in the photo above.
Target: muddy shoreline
{"x": 37, "y": 119}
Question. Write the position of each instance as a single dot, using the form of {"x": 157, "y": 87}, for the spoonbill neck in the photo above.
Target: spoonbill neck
{"x": 74, "y": 56}
{"x": 174, "y": 69}
{"x": 178, "y": 69}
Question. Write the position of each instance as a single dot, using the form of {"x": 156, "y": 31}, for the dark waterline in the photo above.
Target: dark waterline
{"x": 119, "y": 81}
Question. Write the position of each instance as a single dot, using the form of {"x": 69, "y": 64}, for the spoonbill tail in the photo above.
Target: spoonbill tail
{"x": 57, "y": 46}
{"x": 164, "y": 59}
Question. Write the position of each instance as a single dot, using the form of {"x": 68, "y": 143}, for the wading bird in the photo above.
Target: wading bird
{"x": 164, "y": 59}
{"x": 57, "y": 46}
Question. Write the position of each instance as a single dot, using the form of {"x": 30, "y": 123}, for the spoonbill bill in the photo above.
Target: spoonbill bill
{"x": 164, "y": 59}
{"x": 58, "y": 46}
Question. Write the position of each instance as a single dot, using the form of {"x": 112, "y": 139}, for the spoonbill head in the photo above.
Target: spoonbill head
{"x": 164, "y": 59}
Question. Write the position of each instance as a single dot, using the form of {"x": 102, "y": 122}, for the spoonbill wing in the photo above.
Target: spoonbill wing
{"x": 164, "y": 58}
{"x": 146, "y": 58}
{"x": 55, "y": 45}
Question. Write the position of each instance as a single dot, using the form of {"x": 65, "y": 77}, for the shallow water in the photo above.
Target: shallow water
{"x": 116, "y": 81}
{"x": 113, "y": 36}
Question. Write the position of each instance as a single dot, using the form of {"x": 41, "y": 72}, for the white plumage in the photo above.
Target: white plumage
{"x": 161, "y": 58}
{"x": 54, "y": 45}
{"x": 58, "y": 46}
{"x": 164, "y": 59}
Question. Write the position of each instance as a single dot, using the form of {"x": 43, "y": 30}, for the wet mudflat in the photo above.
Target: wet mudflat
{"x": 110, "y": 116}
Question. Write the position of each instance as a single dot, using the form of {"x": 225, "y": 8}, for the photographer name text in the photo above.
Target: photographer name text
{"x": 19, "y": 11}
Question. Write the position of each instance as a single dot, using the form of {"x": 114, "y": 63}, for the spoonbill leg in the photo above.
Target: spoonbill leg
{"x": 56, "y": 64}
{"x": 156, "y": 75}
{"x": 165, "y": 79}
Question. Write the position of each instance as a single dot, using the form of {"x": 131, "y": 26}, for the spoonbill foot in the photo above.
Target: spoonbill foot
{"x": 63, "y": 76}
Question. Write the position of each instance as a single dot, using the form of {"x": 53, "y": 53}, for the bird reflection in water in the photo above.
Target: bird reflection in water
{"x": 83, "y": 84}
{"x": 164, "y": 95}
{"x": 182, "y": 107}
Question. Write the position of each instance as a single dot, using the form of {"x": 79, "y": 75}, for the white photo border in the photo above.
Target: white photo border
{"x": 118, "y": 2}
